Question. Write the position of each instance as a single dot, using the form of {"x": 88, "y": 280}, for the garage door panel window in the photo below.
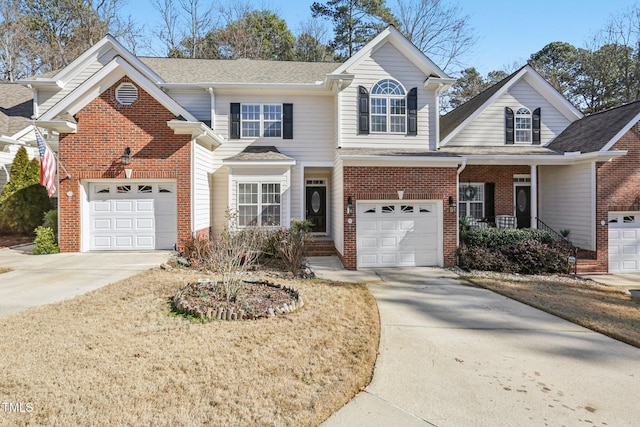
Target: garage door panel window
{"x": 123, "y": 189}
{"x": 259, "y": 204}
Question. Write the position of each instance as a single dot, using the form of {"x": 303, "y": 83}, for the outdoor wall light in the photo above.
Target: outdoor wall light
{"x": 349, "y": 205}
{"x": 126, "y": 156}
{"x": 452, "y": 204}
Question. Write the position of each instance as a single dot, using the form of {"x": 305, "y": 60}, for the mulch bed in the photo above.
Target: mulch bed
{"x": 7, "y": 241}
{"x": 205, "y": 299}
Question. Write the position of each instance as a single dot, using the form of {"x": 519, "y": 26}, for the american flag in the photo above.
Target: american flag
{"x": 47, "y": 165}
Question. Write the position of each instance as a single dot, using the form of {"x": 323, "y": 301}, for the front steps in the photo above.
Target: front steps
{"x": 321, "y": 246}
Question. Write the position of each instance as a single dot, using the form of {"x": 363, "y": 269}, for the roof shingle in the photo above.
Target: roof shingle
{"x": 16, "y": 108}
{"x": 177, "y": 70}
{"x": 594, "y": 132}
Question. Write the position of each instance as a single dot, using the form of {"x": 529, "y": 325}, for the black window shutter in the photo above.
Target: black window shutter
{"x": 412, "y": 112}
{"x": 287, "y": 121}
{"x": 489, "y": 200}
{"x": 536, "y": 126}
{"x": 508, "y": 113}
{"x": 363, "y": 111}
{"x": 235, "y": 121}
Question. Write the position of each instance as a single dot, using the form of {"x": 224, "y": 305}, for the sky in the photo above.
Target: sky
{"x": 507, "y": 32}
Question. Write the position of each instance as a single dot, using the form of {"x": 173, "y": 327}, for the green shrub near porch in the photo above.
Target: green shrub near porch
{"x": 524, "y": 251}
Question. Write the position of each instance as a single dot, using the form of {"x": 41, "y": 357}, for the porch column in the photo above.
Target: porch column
{"x": 534, "y": 196}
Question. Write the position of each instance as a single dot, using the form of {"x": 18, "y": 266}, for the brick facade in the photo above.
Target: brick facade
{"x": 502, "y": 176}
{"x": 617, "y": 189}
{"x": 105, "y": 129}
{"x": 383, "y": 183}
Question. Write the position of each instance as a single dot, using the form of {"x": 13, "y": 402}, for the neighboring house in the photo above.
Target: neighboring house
{"x": 532, "y": 159}
{"x": 16, "y": 130}
{"x": 156, "y": 150}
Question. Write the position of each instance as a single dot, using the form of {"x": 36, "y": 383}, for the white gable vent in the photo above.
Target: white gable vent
{"x": 126, "y": 94}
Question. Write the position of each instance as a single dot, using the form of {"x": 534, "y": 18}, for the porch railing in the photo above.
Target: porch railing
{"x": 563, "y": 242}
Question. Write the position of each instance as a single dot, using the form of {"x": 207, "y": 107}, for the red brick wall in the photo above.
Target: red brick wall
{"x": 383, "y": 183}
{"x": 502, "y": 176}
{"x": 105, "y": 128}
{"x": 617, "y": 189}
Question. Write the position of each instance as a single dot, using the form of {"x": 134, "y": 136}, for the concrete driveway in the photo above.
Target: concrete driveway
{"x": 44, "y": 279}
{"x": 455, "y": 355}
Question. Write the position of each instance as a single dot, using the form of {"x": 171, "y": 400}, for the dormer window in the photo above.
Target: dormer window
{"x": 523, "y": 125}
{"x": 388, "y": 107}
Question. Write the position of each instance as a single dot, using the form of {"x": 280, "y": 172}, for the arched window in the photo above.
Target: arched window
{"x": 523, "y": 125}
{"x": 388, "y": 107}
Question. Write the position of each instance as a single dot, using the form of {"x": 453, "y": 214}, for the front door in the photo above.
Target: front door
{"x": 523, "y": 206}
{"x": 316, "y": 208}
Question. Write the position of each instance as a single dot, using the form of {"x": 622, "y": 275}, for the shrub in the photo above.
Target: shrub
{"x": 526, "y": 251}
{"x": 51, "y": 220}
{"x": 478, "y": 258}
{"x": 501, "y": 237}
{"x": 197, "y": 250}
{"x": 23, "y": 210}
{"x": 45, "y": 241}
{"x": 290, "y": 247}
{"x": 534, "y": 257}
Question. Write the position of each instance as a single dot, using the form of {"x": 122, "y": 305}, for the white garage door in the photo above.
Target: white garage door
{"x": 395, "y": 233}
{"x": 132, "y": 216}
{"x": 624, "y": 242}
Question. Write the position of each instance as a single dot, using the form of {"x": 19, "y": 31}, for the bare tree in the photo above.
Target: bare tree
{"x": 312, "y": 42}
{"x": 198, "y": 17}
{"x": 439, "y": 30}
{"x": 11, "y": 41}
{"x": 168, "y": 32}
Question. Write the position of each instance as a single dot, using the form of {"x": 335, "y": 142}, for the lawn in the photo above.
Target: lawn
{"x": 118, "y": 356}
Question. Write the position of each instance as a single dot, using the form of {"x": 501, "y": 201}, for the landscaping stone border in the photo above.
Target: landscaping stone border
{"x": 182, "y": 304}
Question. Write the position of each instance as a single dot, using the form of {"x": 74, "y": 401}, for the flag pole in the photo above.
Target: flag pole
{"x": 55, "y": 156}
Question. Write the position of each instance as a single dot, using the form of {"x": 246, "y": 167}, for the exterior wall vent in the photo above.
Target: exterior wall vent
{"x": 126, "y": 94}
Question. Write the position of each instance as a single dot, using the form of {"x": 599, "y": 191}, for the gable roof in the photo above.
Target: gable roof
{"x": 455, "y": 121}
{"x": 456, "y": 117}
{"x": 185, "y": 70}
{"x": 598, "y": 131}
{"x": 408, "y": 49}
{"x": 16, "y": 108}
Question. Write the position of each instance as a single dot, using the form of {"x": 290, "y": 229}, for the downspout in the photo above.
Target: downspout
{"x": 212, "y": 107}
{"x": 193, "y": 185}
{"x": 460, "y": 169}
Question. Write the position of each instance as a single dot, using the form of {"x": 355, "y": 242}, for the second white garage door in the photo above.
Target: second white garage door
{"x": 401, "y": 233}
{"x": 624, "y": 242}
{"x": 132, "y": 216}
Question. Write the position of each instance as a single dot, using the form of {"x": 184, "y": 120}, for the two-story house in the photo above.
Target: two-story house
{"x": 158, "y": 149}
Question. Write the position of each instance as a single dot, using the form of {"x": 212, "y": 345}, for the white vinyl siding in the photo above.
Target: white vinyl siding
{"x": 387, "y": 62}
{"x": 202, "y": 190}
{"x": 567, "y": 201}
{"x": 488, "y": 128}
{"x": 48, "y": 99}
{"x": 313, "y": 141}
{"x": 195, "y": 101}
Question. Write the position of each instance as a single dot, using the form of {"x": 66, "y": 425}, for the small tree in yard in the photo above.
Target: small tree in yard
{"x": 231, "y": 254}
{"x": 23, "y": 201}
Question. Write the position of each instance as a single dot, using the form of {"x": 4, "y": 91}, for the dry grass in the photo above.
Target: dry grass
{"x": 117, "y": 356}
{"x": 598, "y": 307}
{"x": 4, "y": 270}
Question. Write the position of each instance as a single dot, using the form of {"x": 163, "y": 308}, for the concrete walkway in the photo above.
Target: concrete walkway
{"x": 44, "y": 279}
{"x": 456, "y": 355}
